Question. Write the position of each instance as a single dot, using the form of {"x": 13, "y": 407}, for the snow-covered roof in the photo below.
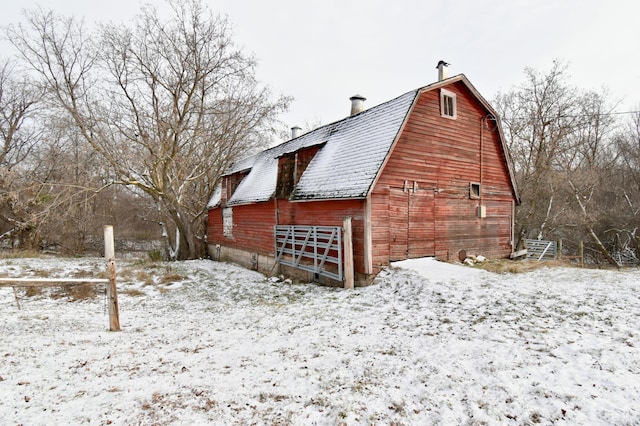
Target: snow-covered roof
{"x": 353, "y": 152}
{"x": 215, "y": 198}
{"x": 345, "y": 167}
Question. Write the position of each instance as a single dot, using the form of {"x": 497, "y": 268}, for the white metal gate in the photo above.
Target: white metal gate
{"x": 316, "y": 249}
{"x": 541, "y": 250}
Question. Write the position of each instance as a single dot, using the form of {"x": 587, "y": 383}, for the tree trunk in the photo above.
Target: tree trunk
{"x": 184, "y": 243}
{"x": 590, "y": 230}
{"x": 601, "y": 247}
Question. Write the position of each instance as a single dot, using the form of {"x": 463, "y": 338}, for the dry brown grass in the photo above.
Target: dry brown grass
{"x": 33, "y": 291}
{"x": 125, "y": 274}
{"x": 135, "y": 273}
{"x": 160, "y": 275}
{"x": 73, "y": 292}
{"x": 83, "y": 273}
{"x": 134, "y": 292}
{"x": 150, "y": 273}
{"x": 508, "y": 266}
{"x": 20, "y": 254}
{"x": 77, "y": 292}
{"x": 45, "y": 273}
{"x": 143, "y": 276}
{"x": 170, "y": 278}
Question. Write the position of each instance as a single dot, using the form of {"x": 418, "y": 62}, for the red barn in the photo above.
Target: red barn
{"x": 424, "y": 174}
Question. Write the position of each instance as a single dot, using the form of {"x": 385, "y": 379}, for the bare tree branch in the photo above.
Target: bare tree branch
{"x": 168, "y": 104}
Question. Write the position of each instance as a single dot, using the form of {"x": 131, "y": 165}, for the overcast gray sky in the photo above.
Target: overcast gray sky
{"x": 323, "y": 52}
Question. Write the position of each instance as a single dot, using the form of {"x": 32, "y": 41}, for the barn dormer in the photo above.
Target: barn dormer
{"x": 291, "y": 166}
{"x": 230, "y": 183}
{"x": 286, "y": 175}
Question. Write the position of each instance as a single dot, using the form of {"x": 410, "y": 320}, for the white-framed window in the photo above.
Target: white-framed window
{"x": 227, "y": 222}
{"x": 448, "y": 104}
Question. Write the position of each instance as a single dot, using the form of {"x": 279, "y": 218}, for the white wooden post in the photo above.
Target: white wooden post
{"x": 581, "y": 253}
{"x": 348, "y": 254}
{"x": 112, "y": 293}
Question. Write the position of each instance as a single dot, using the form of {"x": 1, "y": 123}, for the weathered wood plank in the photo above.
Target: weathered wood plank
{"x": 447, "y": 155}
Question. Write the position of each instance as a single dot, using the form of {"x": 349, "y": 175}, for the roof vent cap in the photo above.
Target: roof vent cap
{"x": 442, "y": 70}
{"x": 357, "y": 104}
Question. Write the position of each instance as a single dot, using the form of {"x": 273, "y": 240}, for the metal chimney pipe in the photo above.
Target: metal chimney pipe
{"x": 357, "y": 104}
{"x": 442, "y": 70}
{"x": 295, "y": 132}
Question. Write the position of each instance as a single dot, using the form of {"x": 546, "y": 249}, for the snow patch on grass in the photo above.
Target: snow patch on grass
{"x": 428, "y": 343}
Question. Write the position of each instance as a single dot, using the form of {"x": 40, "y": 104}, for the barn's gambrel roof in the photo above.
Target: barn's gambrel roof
{"x": 352, "y": 155}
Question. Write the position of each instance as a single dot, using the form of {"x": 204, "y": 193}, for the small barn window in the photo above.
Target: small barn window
{"x": 227, "y": 222}
{"x": 448, "y": 104}
{"x": 474, "y": 190}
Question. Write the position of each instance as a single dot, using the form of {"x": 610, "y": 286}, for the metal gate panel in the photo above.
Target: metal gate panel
{"x": 541, "y": 250}
{"x": 316, "y": 249}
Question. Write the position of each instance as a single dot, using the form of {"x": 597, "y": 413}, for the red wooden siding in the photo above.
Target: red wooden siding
{"x": 253, "y": 223}
{"x": 458, "y": 227}
{"x": 420, "y": 204}
{"x": 441, "y": 157}
{"x": 252, "y": 227}
{"x": 411, "y": 223}
{"x": 398, "y": 237}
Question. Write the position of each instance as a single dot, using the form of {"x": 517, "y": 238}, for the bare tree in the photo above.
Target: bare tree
{"x": 627, "y": 221}
{"x": 167, "y": 104}
{"x": 566, "y": 164}
{"x": 538, "y": 118}
{"x": 18, "y": 135}
{"x": 628, "y": 144}
{"x": 18, "y": 101}
{"x": 590, "y": 167}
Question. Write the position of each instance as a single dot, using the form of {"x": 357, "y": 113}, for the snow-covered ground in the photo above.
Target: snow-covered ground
{"x": 429, "y": 343}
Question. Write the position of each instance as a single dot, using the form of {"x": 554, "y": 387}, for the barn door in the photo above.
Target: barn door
{"x": 421, "y": 223}
{"x": 411, "y": 223}
{"x": 398, "y": 224}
